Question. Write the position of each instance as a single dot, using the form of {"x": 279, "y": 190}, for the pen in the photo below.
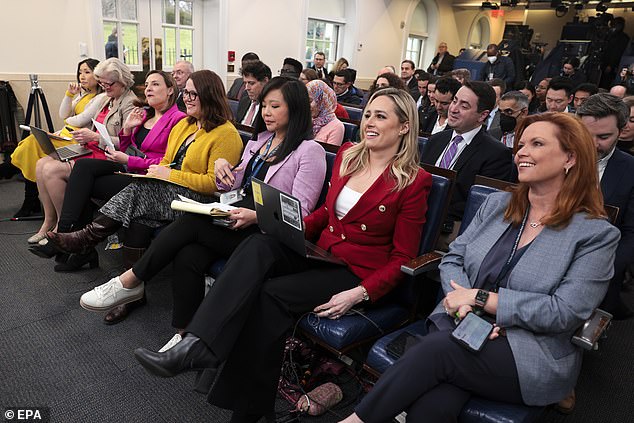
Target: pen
{"x": 235, "y": 167}
{"x": 69, "y": 129}
{"x": 169, "y": 165}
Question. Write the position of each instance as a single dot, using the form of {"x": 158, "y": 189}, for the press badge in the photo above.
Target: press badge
{"x": 231, "y": 197}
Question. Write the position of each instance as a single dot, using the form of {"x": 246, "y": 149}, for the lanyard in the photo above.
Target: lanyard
{"x": 259, "y": 161}
{"x": 509, "y": 263}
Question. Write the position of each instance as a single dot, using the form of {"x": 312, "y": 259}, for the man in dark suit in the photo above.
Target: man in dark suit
{"x": 605, "y": 116}
{"x": 255, "y": 76}
{"x": 237, "y": 87}
{"x": 436, "y": 120}
{"x": 407, "y": 76}
{"x": 342, "y": 84}
{"x": 319, "y": 60}
{"x": 467, "y": 149}
{"x": 442, "y": 61}
{"x": 498, "y": 66}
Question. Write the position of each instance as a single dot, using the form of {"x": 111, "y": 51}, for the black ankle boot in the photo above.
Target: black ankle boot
{"x": 189, "y": 354}
{"x": 75, "y": 262}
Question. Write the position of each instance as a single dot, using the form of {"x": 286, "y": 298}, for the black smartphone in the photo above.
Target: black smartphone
{"x": 472, "y": 332}
{"x": 397, "y": 346}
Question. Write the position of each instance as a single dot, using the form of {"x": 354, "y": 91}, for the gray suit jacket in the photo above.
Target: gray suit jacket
{"x": 553, "y": 288}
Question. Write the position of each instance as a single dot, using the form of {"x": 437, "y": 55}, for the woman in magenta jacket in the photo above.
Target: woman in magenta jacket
{"x": 372, "y": 219}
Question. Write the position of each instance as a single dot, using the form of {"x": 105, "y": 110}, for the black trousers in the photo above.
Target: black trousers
{"x": 245, "y": 317}
{"x": 192, "y": 242}
{"x": 436, "y": 377}
{"x": 89, "y": 178}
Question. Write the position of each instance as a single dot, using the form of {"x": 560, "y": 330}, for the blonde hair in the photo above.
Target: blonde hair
{"x": 118, "y": 69}
{"x": 404, "y": 167}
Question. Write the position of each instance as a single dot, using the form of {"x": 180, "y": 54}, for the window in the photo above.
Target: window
{"x": 322, "y": 36}
{"x": 121, "y": 30}
{"x": 178, "y": 31}
{"x": 414, "y": 49}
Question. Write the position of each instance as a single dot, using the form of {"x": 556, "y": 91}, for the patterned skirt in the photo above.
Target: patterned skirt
{"x": 148, "y": 202}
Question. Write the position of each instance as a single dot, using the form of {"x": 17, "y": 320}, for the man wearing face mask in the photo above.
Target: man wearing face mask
{"x": 498, "y": 66}
{"x": 513, "y": 108}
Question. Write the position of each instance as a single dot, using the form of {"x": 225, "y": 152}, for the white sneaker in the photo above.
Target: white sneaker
{"x": 175, "y": 340}
{"x": 110, "y": 294}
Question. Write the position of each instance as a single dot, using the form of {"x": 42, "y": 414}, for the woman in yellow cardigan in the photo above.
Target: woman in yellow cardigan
{"x": 193, "y": 146}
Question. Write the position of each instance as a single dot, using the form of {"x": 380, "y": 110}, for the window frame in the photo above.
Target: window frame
{"x": 311, "y": 42}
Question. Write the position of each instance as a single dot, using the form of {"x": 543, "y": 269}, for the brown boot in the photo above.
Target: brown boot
{"x": 567, "y": 405}
{"x": 120, "y": 313}
{"x": 83, "y": 240}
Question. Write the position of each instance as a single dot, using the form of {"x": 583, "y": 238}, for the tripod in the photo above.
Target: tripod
{"x": 35, "y": 97}
{"x": 30, "y": 209}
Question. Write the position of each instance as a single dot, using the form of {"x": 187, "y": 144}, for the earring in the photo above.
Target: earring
{"x": 566, "y": 169}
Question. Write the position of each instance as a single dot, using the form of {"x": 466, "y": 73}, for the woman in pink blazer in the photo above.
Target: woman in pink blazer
{"x": 280, "y": 155}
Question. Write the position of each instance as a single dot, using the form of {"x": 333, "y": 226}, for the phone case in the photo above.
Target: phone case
{"x": 472, "y": 332}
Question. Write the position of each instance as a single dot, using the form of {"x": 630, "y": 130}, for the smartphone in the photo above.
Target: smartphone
{"x": 588, "y": 334}
{"x": 397, "y": 346}
{"x": 472, "y": 332}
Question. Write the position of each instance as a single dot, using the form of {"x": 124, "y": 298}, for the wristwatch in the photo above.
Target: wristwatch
{"x": 366, "y": 297}
{"x": 480, "y": 300}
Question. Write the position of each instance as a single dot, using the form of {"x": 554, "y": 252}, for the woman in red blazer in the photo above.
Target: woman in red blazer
{"x": 372, "y": 220}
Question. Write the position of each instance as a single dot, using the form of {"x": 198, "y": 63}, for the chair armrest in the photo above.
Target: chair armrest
{"x": 422, "y": 264}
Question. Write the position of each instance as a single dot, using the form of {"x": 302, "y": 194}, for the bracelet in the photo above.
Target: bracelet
{"x": 366, "y": 297}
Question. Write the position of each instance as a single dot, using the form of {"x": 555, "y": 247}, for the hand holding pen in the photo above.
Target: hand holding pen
{"x": 224, "y": 171}
{"x": 160, "y": 171}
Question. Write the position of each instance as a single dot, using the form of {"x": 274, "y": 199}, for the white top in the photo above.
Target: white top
{"x": 438, "y": 127}
{"x": 603, "y": 163}
{"x": 346, "y": 200}
{"x": 84, "y": 119}
{"x": 467, "y": 137}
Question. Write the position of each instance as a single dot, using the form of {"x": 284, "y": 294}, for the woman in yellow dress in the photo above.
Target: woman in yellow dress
{"x": 77, "y": 108}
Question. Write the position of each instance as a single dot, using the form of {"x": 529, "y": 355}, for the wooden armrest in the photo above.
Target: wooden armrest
{"x": 422, "y": 264}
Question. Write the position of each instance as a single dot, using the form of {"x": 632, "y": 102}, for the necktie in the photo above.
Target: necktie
{"x": 249, "y": 119}
{"x": 451, "y": 152}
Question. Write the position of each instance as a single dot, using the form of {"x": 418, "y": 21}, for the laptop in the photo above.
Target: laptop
{"x": 62, "y": 154}
{"x": 280, "y": 215}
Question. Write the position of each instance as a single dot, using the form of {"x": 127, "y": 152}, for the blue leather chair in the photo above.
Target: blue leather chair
{"x": 342, "y": 335}
{"x": 422, "y": 145}
{"x": 354, "y": 113}
{"x": 350, "y": 132}
{"x": 477, "y": 409}
{"x": 233, "y": 104}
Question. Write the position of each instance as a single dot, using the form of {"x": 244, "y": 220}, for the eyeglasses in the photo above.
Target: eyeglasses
{"x": 105, "y": 84}
{"x": 511, "y": 112}
{"x": 338, "y": 84}
{"x": 191, "y": 95}
{"x": 285, "y": 71}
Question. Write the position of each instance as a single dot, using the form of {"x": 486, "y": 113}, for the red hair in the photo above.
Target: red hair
{"x": 580, "y": 190}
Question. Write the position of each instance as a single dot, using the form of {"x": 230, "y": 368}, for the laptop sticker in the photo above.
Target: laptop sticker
{"x": 291, "y": 211}
{"x": 257, "y": 193}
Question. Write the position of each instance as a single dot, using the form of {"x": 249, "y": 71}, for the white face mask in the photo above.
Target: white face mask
{"x": 492, "y": 59}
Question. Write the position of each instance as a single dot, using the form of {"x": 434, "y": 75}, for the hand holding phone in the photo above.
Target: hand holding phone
{"x": 472, "y": 332}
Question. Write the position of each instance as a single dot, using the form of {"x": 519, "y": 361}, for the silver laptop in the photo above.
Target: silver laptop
{"x": 63, "y": 154}
{"x": 280, "y": 215}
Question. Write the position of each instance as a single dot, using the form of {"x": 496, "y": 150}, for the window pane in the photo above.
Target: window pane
{"x": 185, "y": 13}
{"x": 128, "y": 9}
{"x": 109, "y": 8}
{"x": 186, "y": 44}
{"x": 310, "y": 32}
{"x": 130, "y": 35}
{"x": 169, "y": 11}
{"x": 169, "y": 46}
{"x": 110, "y": 39}
{"x": 320, "y": 29}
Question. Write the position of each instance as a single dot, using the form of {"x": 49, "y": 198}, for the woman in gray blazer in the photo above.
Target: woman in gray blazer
{"x": 535, "y": 262}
